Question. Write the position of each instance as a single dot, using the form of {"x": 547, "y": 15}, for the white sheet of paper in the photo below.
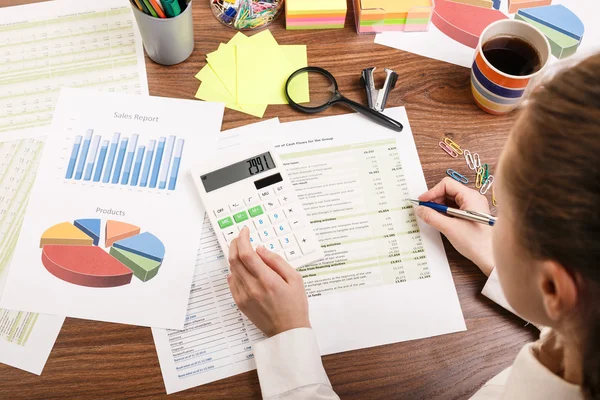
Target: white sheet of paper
{"x": 75, "y": 43}
{"x": 434, "y": 44}
{"x": 26, "y": 339}
{"x": 354, "y": 303}
{"x": 142, "y": 196}
{"x": 106, "y": 56}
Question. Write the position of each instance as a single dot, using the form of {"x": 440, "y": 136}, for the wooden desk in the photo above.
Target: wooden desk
{"x": 101, "y": 360}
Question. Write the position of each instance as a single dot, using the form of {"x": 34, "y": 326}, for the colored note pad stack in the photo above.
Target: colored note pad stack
{"x": 249, "y": 73}
{"x": 315, "y": 14}
{"x": 392, "y": 15}
{"x": 560, "y": 25}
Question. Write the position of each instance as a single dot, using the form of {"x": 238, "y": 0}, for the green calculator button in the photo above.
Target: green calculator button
{"x": 256, "y": 211}
{"x": 225, "y": 222}
{"x": 240, "y": 217}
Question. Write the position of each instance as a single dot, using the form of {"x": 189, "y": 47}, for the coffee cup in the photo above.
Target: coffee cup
{"x": 510, "y": 57}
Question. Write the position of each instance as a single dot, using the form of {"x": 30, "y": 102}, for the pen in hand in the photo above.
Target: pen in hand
{"x": 473, "y": 216}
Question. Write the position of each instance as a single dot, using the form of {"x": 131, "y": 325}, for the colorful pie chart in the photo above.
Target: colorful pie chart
{"x": 71, "y": 252}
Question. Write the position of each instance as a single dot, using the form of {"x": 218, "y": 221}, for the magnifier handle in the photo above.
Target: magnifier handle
{"x": 373, "y": 115}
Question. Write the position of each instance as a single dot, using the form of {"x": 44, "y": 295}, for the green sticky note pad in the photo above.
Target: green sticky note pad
{"x": 263, "y": 70}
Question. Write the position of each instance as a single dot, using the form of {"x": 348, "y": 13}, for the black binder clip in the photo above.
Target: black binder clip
{"x": 378, "y": 98}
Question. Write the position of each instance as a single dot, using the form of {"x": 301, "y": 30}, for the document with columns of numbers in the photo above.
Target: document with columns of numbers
{"x": 43, "y": 47}
{"x": 385, "y": 277}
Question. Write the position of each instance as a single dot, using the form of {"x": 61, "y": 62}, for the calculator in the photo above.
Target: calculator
{"x": 250, "y": 188}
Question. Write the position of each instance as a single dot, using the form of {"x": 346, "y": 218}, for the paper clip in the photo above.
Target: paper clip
{"x": 453, "y": 145}
{"x": 457, "y": 177}
{"x": 486, "y": 172}
{"x": 487, "y": 185}
{"x": 448, "y": 149}
{"x": 479, "y": 179}
{"x": 476, "y": 160}
{"x": 469, "y": 160}
{"x": 494, "y": 203}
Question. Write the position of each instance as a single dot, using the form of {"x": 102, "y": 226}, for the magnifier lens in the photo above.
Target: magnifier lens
{"x": 321, "y": 88}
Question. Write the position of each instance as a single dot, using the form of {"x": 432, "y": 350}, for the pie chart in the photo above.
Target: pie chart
{"x": 72, "y": 252}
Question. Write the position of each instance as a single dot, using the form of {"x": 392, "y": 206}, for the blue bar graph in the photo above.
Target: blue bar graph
{"x": 91, "y": 159}
{"x": 166, "y": 161}
{"x": 147, "y": 163}
{"x": 73, "y": 158}
{"x": 137, "y": 166}
{"x": 129, "y": 160}
{"x": 114, "y": 143}
{"x": 84, "y": 151}
{"x": 125, "y": 161}
{"x": 176, "y": 163}
{"x": 157, "y": 161}
{"x": 100, "y": 162}
{"x": 120, "y": 158}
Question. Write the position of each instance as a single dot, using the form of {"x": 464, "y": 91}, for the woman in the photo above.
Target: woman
{"x": 546, "y": 246}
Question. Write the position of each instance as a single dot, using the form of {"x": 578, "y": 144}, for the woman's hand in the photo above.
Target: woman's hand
{"x": 472, "y": 240}
{"x": 266, "y": 288}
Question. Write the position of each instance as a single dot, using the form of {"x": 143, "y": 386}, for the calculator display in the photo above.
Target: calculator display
{"x": 237, "y": 172}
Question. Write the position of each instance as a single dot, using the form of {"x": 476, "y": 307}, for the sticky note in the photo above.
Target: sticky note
{"x": 263, "y": 70}
{"x": 212, "y": 89}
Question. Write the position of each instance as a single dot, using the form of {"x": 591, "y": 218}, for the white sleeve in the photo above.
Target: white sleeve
{"x": 493, "y": 291}
{"x": 289, "y": 367}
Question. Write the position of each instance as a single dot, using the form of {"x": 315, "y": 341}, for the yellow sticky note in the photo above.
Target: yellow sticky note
{"x": 223, "y": 63}
{"x": 212, "y": 89}
{"x": 262, "y": 38}
{"x": 237, "y": 39}
{"x": 263, "y": 70}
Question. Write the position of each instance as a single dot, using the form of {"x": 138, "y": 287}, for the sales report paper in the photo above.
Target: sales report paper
{"x": 385, "y": 277}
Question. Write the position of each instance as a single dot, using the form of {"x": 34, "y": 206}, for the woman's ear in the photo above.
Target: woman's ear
{"x": 559, "y": 290}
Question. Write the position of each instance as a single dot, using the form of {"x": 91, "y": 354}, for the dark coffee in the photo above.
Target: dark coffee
{"x": 512, "y": 55}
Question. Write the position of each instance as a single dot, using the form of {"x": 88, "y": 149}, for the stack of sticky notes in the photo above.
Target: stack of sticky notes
{"x": 315, "y": 14}
{"x": 249, "y": 73}
{"x": 392, "y": 15}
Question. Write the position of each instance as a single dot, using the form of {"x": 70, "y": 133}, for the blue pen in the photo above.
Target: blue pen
{"x": 473, "y": 216}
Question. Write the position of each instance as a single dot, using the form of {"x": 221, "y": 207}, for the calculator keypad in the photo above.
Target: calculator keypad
{"x": 275, "y": 219}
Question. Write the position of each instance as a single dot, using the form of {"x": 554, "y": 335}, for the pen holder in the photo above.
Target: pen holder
{"x": 168, "y": 41}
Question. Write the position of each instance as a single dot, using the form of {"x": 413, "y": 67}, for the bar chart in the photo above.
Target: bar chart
{"x": 123, "y": 161}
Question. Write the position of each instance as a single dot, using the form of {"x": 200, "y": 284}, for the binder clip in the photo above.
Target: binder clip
{"x": 378, "y": 98}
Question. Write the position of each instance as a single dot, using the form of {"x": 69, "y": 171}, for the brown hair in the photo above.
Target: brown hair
{"x": 553, "y": 176}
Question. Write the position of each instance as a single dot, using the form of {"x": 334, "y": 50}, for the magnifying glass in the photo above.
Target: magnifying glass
{"x": 324, "y": 93}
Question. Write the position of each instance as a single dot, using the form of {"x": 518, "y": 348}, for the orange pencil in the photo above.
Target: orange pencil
{"x": 158, "y": 8}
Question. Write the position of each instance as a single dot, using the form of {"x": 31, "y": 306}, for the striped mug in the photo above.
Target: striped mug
{"x": 494, "y": 91}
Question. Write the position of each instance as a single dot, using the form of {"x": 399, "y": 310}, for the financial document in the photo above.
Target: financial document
{"x": 384, "y": 279}
{"x": 111, "y": 230}
{"x": 26, "y": 339}
{"x": 44, "y": 47}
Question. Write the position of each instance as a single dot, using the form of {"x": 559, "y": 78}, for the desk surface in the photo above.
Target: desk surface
{"x": 101, "y": 360}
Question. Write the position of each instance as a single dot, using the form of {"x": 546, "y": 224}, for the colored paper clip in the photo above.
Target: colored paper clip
{"x": 476, "y": 160}
{"x": 457, "y": 177}
{"x": 494, "y": 203}
{"x": 469, "y": 160}
{"x": 453, "y": 145}
{"x": 486, "y": 172}
{"x": 487, "y": 185}
{"x": 479, "y": 179}
{"x": 451, "y": 152}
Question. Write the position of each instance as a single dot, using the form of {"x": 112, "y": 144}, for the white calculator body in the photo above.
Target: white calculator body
{"x": 249, "y": 187}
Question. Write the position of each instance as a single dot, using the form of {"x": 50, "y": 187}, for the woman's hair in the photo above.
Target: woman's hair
{"x": 553, "y": 176}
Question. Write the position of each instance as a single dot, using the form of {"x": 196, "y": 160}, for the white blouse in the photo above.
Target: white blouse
{"x": 289, "y": 366}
